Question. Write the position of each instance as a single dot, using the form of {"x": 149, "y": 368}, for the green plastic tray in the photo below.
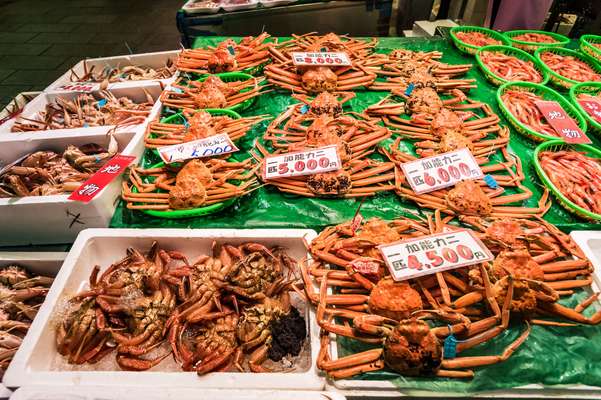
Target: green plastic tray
{"x": 561, "y": 40}
{"x": 586, "y": 87}
{"x": 586, "y": 47}
{"x": 556, "y": 145}
{"x": 559, "y": 80}
{"x": 511, "y": 51}
{"x": 547, "y": 94}
{"x": 471, "y": 49}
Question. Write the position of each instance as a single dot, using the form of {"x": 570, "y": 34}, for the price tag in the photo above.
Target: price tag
{"x": 322, "y": 159}
{"x": 105, "y": 175}
{"x": 321, "y": 58}
{"x": 593, "y": 108}
{"x": 442, "y": 170}
{"x": 561, "y": 122}
{"x": 370, "y": 267}
{"x": 207, "y": 147}
{"x": 427, "y": 255}
{"x": 79, "y": 87}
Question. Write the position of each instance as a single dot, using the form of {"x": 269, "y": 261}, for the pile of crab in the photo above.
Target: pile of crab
{"x": 420, "y": 326}
{"x": 229, "y": 311}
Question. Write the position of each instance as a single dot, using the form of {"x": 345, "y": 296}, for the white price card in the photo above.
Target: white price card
{"x": 78, "y": 87}
{"x": 309, "y": 162}
{"x": 442, "y": 170}
{"x": 321, "y": 58}
{"x": 207, "y": 147}
{"x": 407, "y": 259}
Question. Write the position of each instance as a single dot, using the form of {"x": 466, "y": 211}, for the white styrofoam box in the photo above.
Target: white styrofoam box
{"x": 152, "y": 60}
{"x": 231, "y": 7}
{"x": 136, "y": 93}
{"x": 274, "y": 3}
{"x": 128, "y": 393}
{"x": 17, "y": 104}
{"x": 590, "y": 243}
{"x": 194, "y": 7}
{"x": 38, "y": 363}
{"x": 428, "y": 28}
{"x": 54, "y": 219}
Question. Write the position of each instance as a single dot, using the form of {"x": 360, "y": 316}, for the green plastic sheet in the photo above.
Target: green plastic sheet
{"x": 550, "y": 356}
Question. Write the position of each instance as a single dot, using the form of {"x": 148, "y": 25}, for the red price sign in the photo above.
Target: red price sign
{"x": 561, "y": 122}
{"x": 105, "y": 175}
{"x": 332, "y": 59}
{"x": 432, "y": 173}
{"x": 593, "y": 108}
{"x": 370, "y": 267}
{"x": 430, "y": 254}
{"x": 322, "y": 159}
{"x": 79, "y": 87}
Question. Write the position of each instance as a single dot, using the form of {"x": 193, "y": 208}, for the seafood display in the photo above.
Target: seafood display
{"x": 122, "y": 74}
{"x": 570, "y": 67}
{"x": 510, "y": 68}
{"x": 476, "y": 38}
{"x": 576, "y": 175}
{"x": 534, "y": 37}
{"x": 228, "y": 311}
{"x": 521, "y": 104}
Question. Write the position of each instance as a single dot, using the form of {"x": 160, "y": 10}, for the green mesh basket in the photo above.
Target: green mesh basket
{"x": 559, "y": 80}
{"x": 560, "y": 40}
{"x": 593, "y": 88}
{"x": 546, "y": 94}
{"x": 557, "y": 145}
{"x": 469, "y": 48}
{"x": 510, "y": 51}
{"x": 586, "y": 45}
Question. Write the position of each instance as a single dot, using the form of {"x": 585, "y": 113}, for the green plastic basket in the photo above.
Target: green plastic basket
{"x": 560, "y": 40}
{"x": 547, "y": 94}
{"x": 559, "y": 80}
{"x": 471, "y": 49}
{"x": 557, "y": 145}
{"x": 189, "y": 213}
{"x": 590, "y": 88}
{"x": 511, "y": 51}
{"x": 587, "y": 47}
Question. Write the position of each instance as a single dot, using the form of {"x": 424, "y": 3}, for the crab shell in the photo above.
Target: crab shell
{"x": 330, "y": 183}
{"x": 519, "y": 263}
{"x": 468, "y": 197}
{"x": 394, "y": 300}
{"x": 319, "y": 79}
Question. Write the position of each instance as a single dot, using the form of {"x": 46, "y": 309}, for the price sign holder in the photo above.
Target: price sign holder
{"x": 592, "y": 107}
{"x": 330, "y": 59}
{"x": 208, "y": 147}
{"x": 561, "y": 122}
{"x": 426, "y": 255}
{"x": 308, "y": 162}
{"x": 442, "y": 170}
{"x": 105, "y": 175}
{"x": 84, "y": 87}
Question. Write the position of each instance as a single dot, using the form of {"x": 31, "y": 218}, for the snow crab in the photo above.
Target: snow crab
{"x": 324, "y": 103}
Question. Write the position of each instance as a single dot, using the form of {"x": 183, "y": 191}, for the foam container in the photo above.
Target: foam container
{"x": 16, "y": 104}
{"x": 239, "y": 7}
{"x": 136, "y": 93}
{"x": 152, "y": 60}
{"x": 37, "y": 362}
{"x": 191, "y": 8}
{"x": 54, "y": 219}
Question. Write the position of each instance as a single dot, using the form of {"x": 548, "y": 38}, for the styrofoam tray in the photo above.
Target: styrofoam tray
{"x": 239, "y": 7}
{"x": 54, "y": 219}
{"x": 274, "y": 3}
{"x": 38, "y": 363}
{"x": 152, "y": 60}
{"x": 136, "y": 93}
{"x": 190, "y": 8}
{"x": 590, "y": 243}
{"x": 17, "y": 104}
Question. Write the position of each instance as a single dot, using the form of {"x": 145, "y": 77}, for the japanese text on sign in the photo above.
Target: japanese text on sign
{"x": 592, "y": 107}
{"x": 207, "y": 147}
{"x": 561, "y": 122}
{"x": 427, "y": 255}
{"x": 79, "y": 87}
{"x": 105, "y": 175}
{"x": 442, "y": 170}
{"x": 322, "y": 159}
{"x": 321, "y": 58}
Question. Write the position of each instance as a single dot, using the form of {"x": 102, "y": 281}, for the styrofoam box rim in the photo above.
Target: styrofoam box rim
{"x": 19, "y": 374}
{"x": 365, "y": 388}
{"x": 18, "y": 100}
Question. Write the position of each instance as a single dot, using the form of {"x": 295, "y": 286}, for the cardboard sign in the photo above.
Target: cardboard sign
{"x": 207, "y": 147}
{"x": 78, "y": 87}
{"x": 105, "y": 175}
{"x": 407, "y": 259}
{"x": 309, "y": 162}
{"x": 322, "y": 58}
{"x": 561, "y": 122}
{"x": 593, "y": 108}
{"x": 432, "y": 173}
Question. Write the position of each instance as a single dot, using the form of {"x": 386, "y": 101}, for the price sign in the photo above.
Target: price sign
{"x": 370, "y": 267}
{"x": 79, "y": 87}
{"x": 427, "y": 255}
{"x": 322, "y": 159}
{"x": 105, "y": 175}
{"x": 561, "y": 122}
{"x": 321, "y": 58}
{"x": 593, "y": 108}
{"x": 442, "y": 170}
{"x": 207, "y": 147}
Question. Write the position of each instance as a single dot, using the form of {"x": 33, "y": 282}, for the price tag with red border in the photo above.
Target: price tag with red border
{"x": 78, "y": 87}
{"x": 561, "y": 122}
{"x": 330, "y": 59}
{"x": 208, "y": 147}
{"x": 309, "y": 162}
{"x": 105, "y": 175}
{"x": 592, "y": 107}
{"x": 442, "y": 170}
{"x": 407, "y": 259}
{"x": 369, "y": 267}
